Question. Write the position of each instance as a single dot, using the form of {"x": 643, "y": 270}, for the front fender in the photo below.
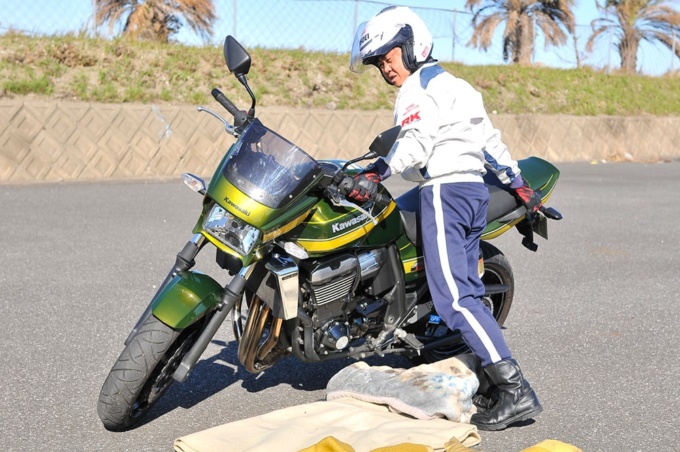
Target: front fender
{"x": 187, "y": 297}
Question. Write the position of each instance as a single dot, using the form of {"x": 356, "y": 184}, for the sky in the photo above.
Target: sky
{"x": 329, "y": 25}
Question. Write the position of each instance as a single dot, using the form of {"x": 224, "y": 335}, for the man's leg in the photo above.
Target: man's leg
{"x": 452, "y": 220}
{"x": 453, "y": 217}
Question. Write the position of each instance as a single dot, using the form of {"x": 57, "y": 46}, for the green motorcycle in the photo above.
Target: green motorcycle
{"x": 313, "y": 275}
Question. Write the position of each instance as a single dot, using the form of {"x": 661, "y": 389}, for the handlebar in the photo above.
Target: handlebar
{"x": 382, "y": 199}
{"x": 240, "y": 116}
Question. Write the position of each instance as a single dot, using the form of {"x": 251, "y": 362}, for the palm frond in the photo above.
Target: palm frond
{"x": 554, "y": 17}
{"x": 483, "y": 32}
{"x": 156, "y": 19}
{"x": 636, "y": 20}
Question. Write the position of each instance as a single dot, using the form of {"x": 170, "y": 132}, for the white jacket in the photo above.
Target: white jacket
{"x": 446, "y": 134}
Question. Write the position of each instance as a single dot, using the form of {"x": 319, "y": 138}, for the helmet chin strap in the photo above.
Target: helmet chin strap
{"x": 408, "y": 58}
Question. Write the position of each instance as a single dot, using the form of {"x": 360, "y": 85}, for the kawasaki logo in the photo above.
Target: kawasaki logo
{"x": 239, "y": 208}
{"x": 337, "y": 227}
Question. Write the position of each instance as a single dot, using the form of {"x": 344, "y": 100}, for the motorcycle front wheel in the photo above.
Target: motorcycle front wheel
{"x": 143, "y": 372}
{"x": 498, "y": 272}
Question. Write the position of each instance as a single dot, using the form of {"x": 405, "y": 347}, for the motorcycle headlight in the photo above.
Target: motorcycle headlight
{"x": 230, "y": 230}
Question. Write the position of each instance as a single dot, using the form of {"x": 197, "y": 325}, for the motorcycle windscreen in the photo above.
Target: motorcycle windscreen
{"x": 268, "y": 168}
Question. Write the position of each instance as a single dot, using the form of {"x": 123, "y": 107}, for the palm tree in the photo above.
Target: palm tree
{"x": 156, "y": 20}
{"x": 635, "y": 21}
{"x": 521, "y": 18}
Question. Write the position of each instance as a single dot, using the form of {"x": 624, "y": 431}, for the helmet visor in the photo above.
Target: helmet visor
{"x": 355, "y": 60}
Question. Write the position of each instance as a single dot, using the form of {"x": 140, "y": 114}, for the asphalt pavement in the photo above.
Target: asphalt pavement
{"x": 594, "y": 323}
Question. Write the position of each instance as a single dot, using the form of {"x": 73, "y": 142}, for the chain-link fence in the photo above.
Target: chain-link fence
{"x": 328, "y": 25}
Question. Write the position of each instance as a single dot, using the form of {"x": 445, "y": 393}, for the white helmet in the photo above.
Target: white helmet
{"x": 394, "y": 26}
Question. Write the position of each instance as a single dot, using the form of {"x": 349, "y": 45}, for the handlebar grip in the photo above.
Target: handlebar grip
{"x": 383, "y": 199}
{"x": 240, "y": 116}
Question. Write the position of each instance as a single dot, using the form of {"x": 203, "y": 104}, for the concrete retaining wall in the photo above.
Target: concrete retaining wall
{"x": 79, "y": 141}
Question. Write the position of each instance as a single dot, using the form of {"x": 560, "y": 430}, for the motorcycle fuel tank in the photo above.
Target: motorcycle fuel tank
{"x": 330, "y": 228}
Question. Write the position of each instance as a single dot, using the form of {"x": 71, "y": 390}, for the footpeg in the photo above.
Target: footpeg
{"x": 409, "y": 339}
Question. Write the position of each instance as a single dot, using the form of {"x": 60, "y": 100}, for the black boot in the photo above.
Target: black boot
{"x": 516, "y": 400}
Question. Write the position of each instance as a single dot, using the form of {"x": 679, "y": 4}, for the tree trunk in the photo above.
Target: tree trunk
{"x": 628, "y": 48}
{"x": 524, "y": 40}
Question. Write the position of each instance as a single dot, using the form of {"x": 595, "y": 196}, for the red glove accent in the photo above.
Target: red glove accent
{"x": 529, "y": 198}
{"x": 373, "y": 177}
{"x": 364, "y": 187}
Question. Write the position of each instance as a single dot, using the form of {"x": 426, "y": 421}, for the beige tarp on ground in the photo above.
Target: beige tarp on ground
{"x": 364, "y": 426}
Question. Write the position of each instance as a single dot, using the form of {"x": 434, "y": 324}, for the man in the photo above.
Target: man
{"x": 445, "y": 143}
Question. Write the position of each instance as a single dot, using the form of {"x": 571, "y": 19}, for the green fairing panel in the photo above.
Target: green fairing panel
{"x": 272, "y": 218}
{"x": 186, "y": 298}
{"x": 385, "y": 231}
{"x": 206, "y": 198}
{"x": 326, "y": 223}
{"x": 329, "y": 228}
{"x": 218, "y": 171}
{"x": 245, "y": 207}
{"x": 255, "y": 214}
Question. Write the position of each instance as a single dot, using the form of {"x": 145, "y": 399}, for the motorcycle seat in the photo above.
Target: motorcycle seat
{"x": 501, "y": 202}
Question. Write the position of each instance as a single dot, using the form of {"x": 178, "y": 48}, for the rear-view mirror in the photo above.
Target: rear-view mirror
{"x": 237, "y": 58}
{"x": 383, "y": 142}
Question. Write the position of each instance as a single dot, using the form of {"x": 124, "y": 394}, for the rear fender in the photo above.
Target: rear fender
{"x": 186, "y": 298}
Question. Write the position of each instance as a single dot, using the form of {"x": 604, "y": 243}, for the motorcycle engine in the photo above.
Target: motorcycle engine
{"x": 341, "y": 297}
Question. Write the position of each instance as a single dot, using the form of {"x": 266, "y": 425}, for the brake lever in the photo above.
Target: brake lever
{"x": 227, "y": 127}
{"x": 339, "y": 201}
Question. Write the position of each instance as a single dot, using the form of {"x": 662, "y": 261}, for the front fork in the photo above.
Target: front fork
{"x": 184, "y": 262}
{"x": 231, "y": 294}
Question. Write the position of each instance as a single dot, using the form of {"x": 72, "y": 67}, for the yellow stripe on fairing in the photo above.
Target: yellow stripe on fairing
{"x": 286, "y": 227}
{"x": 348, "y": 237}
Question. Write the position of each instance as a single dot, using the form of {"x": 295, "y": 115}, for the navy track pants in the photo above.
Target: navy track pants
{"x": 452, "y": 219}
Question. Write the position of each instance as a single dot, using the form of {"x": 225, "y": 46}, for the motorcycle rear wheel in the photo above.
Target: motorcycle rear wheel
{"x": 497, "y": 271}
{"x": 143, "y": 372}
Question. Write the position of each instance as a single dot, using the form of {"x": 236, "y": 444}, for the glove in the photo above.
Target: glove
{"x": 362, "y": 188}
{"x": 530, "y": 199}
{"x": 370, "y": 175}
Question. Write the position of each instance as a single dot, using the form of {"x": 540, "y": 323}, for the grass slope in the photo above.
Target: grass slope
{"x": 113, "y": 71}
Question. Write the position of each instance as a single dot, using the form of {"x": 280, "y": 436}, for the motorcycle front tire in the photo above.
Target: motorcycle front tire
{"x": 143, "y": 372}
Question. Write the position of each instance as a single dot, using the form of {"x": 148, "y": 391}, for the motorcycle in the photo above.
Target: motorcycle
{"x": 313, "y": 274}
